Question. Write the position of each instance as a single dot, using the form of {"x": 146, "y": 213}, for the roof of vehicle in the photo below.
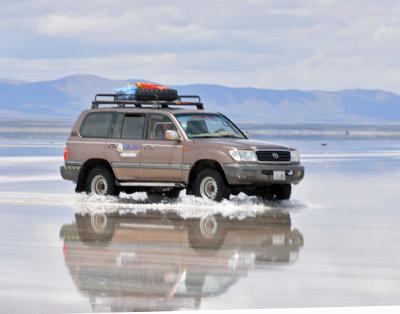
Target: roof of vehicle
{"x": 125, "y": 101}
{"x": 172, "y": 110}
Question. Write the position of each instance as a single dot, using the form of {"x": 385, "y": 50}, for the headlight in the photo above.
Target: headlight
{"x": 243, "y": 155}
{"x": 294, "y": 156}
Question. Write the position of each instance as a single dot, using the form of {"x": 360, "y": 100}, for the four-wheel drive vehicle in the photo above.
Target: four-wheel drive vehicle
{"x": 161, "y": 147}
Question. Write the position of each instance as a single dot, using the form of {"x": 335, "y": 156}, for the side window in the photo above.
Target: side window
{"x": 158, "y": 124}
{"x": 116, "y": 133}
{"x": 132, "y": 127}
{"x": 97, "y": 125}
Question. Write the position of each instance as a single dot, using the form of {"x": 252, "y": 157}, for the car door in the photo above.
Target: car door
{"x": 123, "y": 149}
{"x": 161, "y": 158}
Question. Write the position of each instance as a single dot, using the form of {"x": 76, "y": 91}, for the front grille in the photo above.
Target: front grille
{"x": 273, "y": 155}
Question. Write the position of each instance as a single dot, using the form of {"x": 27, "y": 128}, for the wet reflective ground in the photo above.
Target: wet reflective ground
{"x": 335, "y": 244}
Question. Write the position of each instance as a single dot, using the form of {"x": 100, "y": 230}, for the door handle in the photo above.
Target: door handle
{"x": 119, "y": 147}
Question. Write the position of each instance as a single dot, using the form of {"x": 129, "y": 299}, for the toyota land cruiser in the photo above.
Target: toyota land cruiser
{"x": 161, "y": 147}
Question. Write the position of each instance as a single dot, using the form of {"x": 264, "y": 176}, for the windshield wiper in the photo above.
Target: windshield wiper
{"x": 214, "y": 136}
{"x": 231, "y": 136}
{"x": 204, "y": 136}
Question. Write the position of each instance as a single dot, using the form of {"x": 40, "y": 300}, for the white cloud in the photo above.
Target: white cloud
{"x": 277, "y": 44}
{"x": 62, "y": 25}
{"x": 320, "y": 72}
{"x": 387, "y": 33}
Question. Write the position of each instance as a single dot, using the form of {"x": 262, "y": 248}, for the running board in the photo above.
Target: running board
{"x": 151, "y": 184}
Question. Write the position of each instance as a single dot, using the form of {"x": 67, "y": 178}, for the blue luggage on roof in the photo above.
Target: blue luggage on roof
{"x": 127, "y": 92}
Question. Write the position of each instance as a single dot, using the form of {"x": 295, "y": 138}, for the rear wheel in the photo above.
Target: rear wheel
{"x": 277, "y": 192}
{"x": 101, "y": 182}
{"x": 210, "y": 184}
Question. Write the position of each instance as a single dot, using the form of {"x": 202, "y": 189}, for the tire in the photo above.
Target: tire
{"x": 146, "y": 94}
{"x": 296, "y": 238}
{"x": 96, "y": 228}
{"x": 206, "y": 233}
{"x": 101, "y": 182}
{"x": 277, "y": 192}
{"x": 210, "y": 184}
{"x": 158, "y": 197}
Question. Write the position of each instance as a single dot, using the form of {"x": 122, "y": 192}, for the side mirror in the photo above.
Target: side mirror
{"x": 172, "y": 135}
{"x": 247, "y": 134}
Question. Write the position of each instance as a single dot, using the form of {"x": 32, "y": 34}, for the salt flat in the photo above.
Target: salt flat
{"x": 334, "y": 244}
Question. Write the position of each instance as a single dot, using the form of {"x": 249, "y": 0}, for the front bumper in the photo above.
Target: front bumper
{"x": 261, "y": 174}
{"x": 70, "y": 172}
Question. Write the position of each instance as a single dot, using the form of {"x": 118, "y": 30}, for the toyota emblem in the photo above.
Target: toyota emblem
{"x": 275, "y": 155}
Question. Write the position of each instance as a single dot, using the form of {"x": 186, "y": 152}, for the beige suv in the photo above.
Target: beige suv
{"x": 163, "y": 147}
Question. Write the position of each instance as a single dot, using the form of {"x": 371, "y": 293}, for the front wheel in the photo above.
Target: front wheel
{"x": 96, "y": 228}
{"x": 210, "y": 184}
{"x": 206, "y": 233}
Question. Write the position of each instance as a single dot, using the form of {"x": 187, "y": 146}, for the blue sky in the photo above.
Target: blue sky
{"x": 323, "y": 44}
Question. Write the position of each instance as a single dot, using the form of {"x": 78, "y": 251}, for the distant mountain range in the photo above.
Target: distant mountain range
{"x": 66, "y": 97}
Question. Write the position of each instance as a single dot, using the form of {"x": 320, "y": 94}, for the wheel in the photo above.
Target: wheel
{"x": 210, "y": 184}
{"x": 146, "y": 94}
{"x": 95, "y": 228}
{"x": 296, "y": 238}
{"x": 158, "y": 197}
{"x": 206, "y": 233}
{"x": 101, "y": 182}
{"x": 277, "y": 192}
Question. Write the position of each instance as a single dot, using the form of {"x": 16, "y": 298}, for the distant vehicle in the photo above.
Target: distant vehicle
{"x": 157, "y": 261}
{"x": 153, "y": 144}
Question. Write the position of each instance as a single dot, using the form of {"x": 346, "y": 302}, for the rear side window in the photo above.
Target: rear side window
{"x": 97, "y": 125}
{"x": 132, "y": 127}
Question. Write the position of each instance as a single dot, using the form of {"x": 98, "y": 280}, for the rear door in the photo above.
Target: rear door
{"x": 123, "y": 149}
{"x": 161, "y": 158}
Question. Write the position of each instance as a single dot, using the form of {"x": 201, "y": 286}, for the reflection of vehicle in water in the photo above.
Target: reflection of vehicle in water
{"x": 159, "y": 261}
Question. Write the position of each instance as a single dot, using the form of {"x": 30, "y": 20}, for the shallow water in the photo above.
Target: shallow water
{"x": 334, "y": 244}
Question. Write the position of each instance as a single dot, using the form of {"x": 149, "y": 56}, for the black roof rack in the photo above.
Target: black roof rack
{"x": 115, "y": 99}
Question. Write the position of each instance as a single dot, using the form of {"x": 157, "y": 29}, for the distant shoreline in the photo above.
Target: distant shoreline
{"x": 48, "y": 129}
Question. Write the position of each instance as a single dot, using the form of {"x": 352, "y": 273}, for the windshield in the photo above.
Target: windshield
{"x": 200, "y": 125}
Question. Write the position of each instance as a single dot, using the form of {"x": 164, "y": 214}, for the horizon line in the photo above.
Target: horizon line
{"x": 24, "y": 82}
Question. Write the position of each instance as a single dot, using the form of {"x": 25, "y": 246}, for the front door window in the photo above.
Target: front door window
{"x": 158, "y": 124}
